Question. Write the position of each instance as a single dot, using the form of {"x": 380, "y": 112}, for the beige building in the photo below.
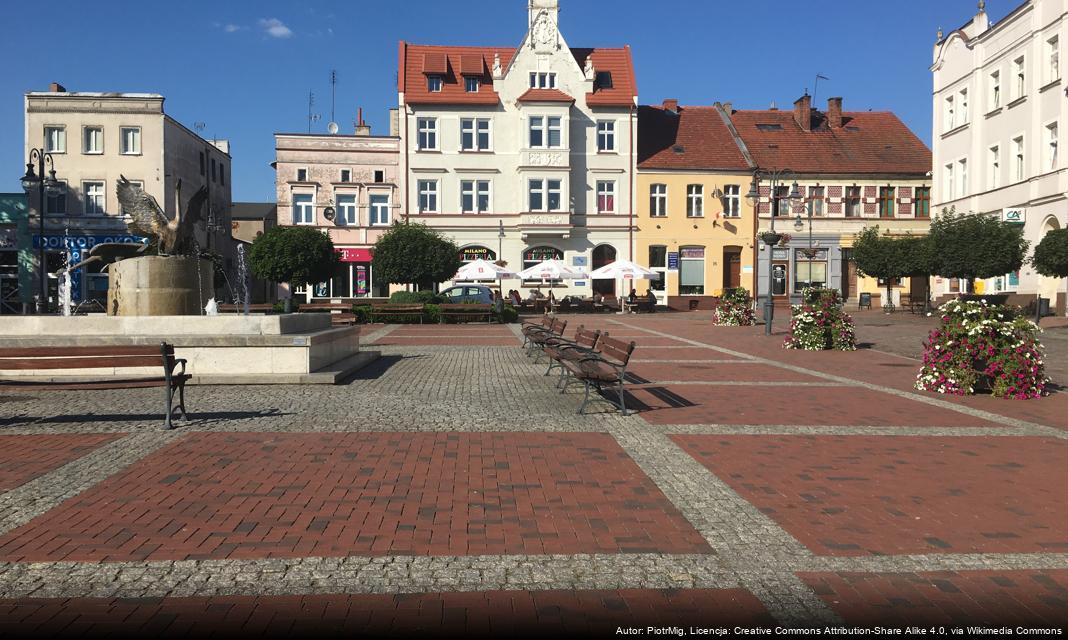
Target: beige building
{"x": 92, "y": 139}
{"x": 345, "y": 186}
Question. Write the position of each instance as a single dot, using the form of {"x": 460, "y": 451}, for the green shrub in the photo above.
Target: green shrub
{"x": 280, "y": 306}
{"x": 431, "y": 313}
{"x": 363, "y": 313}
{"x": 414, "y": 297}
{"x": 507, "y": 315}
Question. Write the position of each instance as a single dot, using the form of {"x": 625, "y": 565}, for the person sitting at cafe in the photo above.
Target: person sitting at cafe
{"x": 650, "y": 302}
{"x": 536, "y": 294}
{"x": 632, "y": 297}
{"x": 513, "y": 295}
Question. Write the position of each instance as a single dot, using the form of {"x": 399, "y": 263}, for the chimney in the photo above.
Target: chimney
{"x": 728, "y": 107}
{"x": 834, "y": 113}
{"x": 671, "y": 105}
{"x": 394, "y": 121}
{"x": 362, "y": 129}
{"x": 55, "y": 87}
{"x": 803, "y": 112}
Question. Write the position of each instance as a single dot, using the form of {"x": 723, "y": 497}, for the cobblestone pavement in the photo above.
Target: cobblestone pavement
{"x": 449, "y": 487}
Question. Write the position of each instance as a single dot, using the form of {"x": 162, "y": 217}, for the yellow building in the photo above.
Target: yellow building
{"x": 693, "y": 222}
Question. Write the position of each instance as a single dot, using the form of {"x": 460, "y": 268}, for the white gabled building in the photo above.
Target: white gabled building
{"x": 999, "y": 96}
{"x": 525, "y": 153}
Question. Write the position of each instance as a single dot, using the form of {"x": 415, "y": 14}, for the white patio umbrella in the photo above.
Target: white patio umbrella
{"x": 483, "y": 270}
{"x": 552, "y": 270}
{"x": 624, "y": 270}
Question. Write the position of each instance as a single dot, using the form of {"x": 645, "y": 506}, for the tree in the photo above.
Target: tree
{"x": 1051, "y": 254}
{"x": 879, "y": 256}
{"x": 412, "y": 253}
{"x": 970, "y": 246}
{"x": 298, "y": 256}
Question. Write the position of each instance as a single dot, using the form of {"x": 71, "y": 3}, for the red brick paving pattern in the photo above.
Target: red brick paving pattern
{"x": 993, "y": 598}
{"x": 254, "y": 495}
{"x": 431, "y": 341}
{"x": 24, "y": 457}
{"x": 481, "y": 614}
{"x": 862, "y": 495}
{"x": 732, "y": 371}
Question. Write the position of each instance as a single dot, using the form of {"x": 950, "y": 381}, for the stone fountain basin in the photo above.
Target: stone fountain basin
{"x": 223, "y": 349}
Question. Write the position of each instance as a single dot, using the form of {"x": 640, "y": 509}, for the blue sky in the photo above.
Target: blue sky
{"x": 245, "y": 68}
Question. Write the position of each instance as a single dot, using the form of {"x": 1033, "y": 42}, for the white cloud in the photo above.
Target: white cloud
{"x": 231, "y": 28}
{"x": 275, "y": 28}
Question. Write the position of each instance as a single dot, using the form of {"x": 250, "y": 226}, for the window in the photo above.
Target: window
{"x": 213, "y": 169}
{"x": 433, "y": 84}
{"x": 222, "y": 174}
{"x": 1021, "y": 78}
{"x": 55, "y": 139}
{"x": 947, "y": 182}
{"x": 950, "y": 112}
{"x": 346, "y": 175}
{"x": 962, "y": 178}
{"x": 542, "y": 80}
{"x": 57, "y": 203}
{"x": 536, "y": 195}
{"x": 545, "y": 195}
{"x": 815, "y": 200}
{"x": 993, "y": 178}
{"x": 852, "y": 202}
{"x": 346, "y": 209}
{"x": 474, "y": 196}
{"x": 131, "y": 140}
{"x": 303, "y": 208}
{"x": 886, "y": 202}
{"x": 555, "y": 191}
{"x": 202, "y": 163}
{"x": 923, "y": 202}
{"x": 379, "y": 176}
{"x": 1018, "y": 149}
{"x": 657, "y": 257}
{"x": 546, "y": 131}
{"x": 427, "y": 134}
{"x": 658, "y": 200}
{"x": 782, "y": 201}
{"x": 962, "y": 100}
{"x": 302, "y": 175}
{"x": 1051, "y": 146}
{"x": 606, "y": 135}
{"x": 695, "y": 201}
{"x": 471, "y": 84}
{"x": 428, "y": 196}
{"x": 379, "y": 210}
{"x": 732, "y": 201}
{"x": 474, "y": 134}
{"x": 606, "y": 196}
{"x": 691, "y": 271}
{"x": 93, "y": 140}
{"x": 995, "y": 90}
{"x": 810, "y": 272}
{"x": 94, "y": 197}
{"x": 1053, "y": 61}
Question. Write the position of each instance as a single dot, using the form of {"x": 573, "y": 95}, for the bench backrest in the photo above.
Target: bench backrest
{"x": 396, "y": 307}
{"x": 616, "y": 351}
{"x": 558, "y": 326}
{"x": 586, "y": 338}
{"x": 240, "y": 308}
{"x": 473, "y": 308}
{"x": 312, "y": 306}
{"x": 22, "y": 358}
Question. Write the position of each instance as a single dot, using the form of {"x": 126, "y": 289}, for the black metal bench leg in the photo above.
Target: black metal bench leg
{"x": 168, "y": 398}
{"x": 181, "y": 400}
{"x": 585, "y": 399}
{"x": 622, "y": 400}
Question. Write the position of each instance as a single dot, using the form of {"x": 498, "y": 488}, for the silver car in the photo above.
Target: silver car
{"x": 468, "y": 293}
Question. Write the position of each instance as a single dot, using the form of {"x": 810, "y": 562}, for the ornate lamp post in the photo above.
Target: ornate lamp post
{"x": 776, "y": 178}
{"x": 45, "y": 185}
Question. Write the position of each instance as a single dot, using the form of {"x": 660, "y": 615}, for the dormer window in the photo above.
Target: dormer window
{"x": 433, "y": 84}
{"x": 471, "y": 84}
{"x": 542, "y": 80}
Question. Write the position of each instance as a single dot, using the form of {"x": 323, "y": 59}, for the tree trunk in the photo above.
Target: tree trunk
{"x": 287, "y": 304}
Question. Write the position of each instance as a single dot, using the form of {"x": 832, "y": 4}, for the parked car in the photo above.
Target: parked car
{"x": 468, "y": 293}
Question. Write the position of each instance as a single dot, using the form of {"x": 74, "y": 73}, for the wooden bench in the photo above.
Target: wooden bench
{"x": 600, "y": 370}
{"x": 102, "y": 357}
{"x": 528, "y": 328}
{"x": 340, "y": 312}
{"x": 561, "y": 349}
{"x": 259, "y": 307}
{"x": 397, "y": 309}
{"x": 538, "y": 339}
{"x": 465, "y": 311}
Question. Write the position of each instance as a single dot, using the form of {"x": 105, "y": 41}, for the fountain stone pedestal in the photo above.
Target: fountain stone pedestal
{"x": 159, "y": 286}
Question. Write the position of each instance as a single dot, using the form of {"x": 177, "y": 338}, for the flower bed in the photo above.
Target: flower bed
{"x": 983, "y": 347}
{"x": 819, "y": 324}
{"x": 735, "y": 309}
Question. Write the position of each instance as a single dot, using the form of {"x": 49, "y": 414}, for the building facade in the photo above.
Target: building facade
{"x": 854, "y": 169}
{"x": 93, "y": 138}
{"x": 694, "y": 224}
{"x": 16, "y": 255}
{"x": 997, "y": 105}
{"x": 347, "y": 187}
{"x": 522, "y": 153}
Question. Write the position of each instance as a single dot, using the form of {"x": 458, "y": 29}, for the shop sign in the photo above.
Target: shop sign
{"x": 692, "y": 253}
{"x": 539, "y": 254}
{"x": 470, "y": 254}
{"x": 673, "y": 260}
{"x": 578, "y": 261}
{"x": 352, "y": 254}
{"x": 1014, "y": 215}
{"x": 82, "y": 242}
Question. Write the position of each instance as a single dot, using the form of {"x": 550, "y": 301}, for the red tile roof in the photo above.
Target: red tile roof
{"x": 694, "y": 138}
{"x": 615, "y": 85}
{"x": 868, "y": 142}
{"x": 544, "y": 95}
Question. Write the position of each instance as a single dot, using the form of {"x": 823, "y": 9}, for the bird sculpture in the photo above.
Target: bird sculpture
{"x": 172, "y": 237}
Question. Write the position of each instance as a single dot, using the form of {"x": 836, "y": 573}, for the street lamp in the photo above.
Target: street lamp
{"x": 776, "y": 178}
{"x": 45, "y": 185}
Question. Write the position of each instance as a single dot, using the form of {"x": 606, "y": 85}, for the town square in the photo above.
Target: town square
{"x": 524, "y": 355}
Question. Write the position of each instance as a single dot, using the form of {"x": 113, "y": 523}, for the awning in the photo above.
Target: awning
{"x": 352, "y": 254}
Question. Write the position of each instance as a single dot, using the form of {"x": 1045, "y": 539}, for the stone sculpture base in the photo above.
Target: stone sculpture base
{"x": 159, "y": 286}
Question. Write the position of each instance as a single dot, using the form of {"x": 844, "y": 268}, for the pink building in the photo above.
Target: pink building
{"x": 346, "y": 186}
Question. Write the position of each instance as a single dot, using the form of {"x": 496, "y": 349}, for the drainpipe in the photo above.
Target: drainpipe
{"x": 404, "y": 198}
{"x": 633, "y": 168}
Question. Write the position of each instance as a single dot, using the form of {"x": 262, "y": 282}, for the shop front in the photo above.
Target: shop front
{"x": 87, "y": 283}
{"x": 352, "y": 278}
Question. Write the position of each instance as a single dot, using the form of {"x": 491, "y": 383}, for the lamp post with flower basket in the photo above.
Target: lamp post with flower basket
{"x": 776, "y": 178}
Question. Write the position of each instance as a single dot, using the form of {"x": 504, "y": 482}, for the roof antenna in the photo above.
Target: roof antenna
{"x": 312, "y": 117}
{"x": 816, "y": 87}
{"x": 333, "y": 88}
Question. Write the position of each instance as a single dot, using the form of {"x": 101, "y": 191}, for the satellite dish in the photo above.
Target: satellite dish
{"x": 332, "y": 128}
